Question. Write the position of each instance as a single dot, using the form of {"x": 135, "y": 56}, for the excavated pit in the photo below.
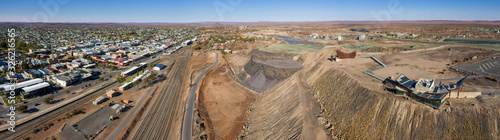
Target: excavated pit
{"x": 262, "y": 74}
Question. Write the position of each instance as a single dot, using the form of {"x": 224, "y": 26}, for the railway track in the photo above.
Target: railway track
{"x": 159, "y": 117}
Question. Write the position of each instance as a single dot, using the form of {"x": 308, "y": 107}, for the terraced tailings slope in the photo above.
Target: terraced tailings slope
{"x": 285, "y": 112}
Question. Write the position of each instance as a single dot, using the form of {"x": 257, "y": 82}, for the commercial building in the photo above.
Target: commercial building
{"x": 83, "y": 61}
{"x": 425, "y": 90}
{"x": 38, "y": 51}
{"x": 89, "y": 66}
{"x": 120, "y": 61}
{"x": 71, "y": 76}
{"x": 33, "y": 73}
{"x": 45, "y": 72}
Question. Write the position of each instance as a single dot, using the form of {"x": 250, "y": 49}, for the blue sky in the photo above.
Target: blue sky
{"x": 183, "y": 11}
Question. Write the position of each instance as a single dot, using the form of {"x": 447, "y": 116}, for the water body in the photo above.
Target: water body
{"x": 294, "y": 40}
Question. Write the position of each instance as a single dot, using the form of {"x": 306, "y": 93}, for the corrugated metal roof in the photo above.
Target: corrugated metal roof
{"x": 159, "y": 65}
{"x": 36, "y": 87}
{"x": 24, "y": 84}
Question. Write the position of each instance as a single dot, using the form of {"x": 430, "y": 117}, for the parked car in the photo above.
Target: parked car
{"x": 36, "y": 104}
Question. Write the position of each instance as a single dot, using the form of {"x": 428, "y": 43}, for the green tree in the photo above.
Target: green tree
{"x": 151, "y": 77}
{"x": 120, "y": 79}
{"x": 22, "y": 108}
{"x": 48, "y": 100}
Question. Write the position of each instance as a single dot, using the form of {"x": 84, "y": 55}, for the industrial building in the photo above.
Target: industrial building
{"x": 158, "y": 67}
{"x": 99, "y": 100}
{"x": 111, "y": 93}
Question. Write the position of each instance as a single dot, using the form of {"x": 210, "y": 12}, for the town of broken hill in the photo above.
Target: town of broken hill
{"x": 243, "y": 70}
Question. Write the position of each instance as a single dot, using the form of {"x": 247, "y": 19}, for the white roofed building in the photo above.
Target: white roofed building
{"x": 35, "y": 89}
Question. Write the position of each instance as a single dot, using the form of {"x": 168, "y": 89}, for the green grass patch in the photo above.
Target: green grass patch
{"x": 292, "y": 48}
{"x": 129, "y": 79}
{"x": 362, "y": 47}
{"x": 416, "y": 47}
{"x": 488, "y": 46}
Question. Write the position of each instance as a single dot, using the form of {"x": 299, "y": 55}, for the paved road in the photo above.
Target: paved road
{"x": 488, "y": 67}
{"x": 158, "y": 119}
{"x": 188, "y": 117}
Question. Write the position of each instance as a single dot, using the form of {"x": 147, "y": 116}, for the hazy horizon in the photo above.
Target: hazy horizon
{"x": 198, "y": 11}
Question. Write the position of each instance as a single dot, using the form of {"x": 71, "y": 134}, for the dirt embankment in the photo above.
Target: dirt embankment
{"x": 223, "y": 104}
{"x": 354, "y": 112}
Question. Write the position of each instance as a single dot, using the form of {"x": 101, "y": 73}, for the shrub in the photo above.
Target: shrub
{"x": 22, "y": 108}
